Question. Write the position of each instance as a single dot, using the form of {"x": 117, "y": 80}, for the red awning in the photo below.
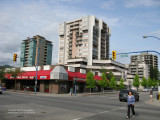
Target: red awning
{"x": 81, "y": 77}
{"x": 41, "y": 75}
{"x": 45, "y": 75}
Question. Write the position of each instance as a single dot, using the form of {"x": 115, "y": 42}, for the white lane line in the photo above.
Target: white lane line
{"x": 77, "y": 119}
{"x": 103, "y": 112}
{"x": 99, "y": 113}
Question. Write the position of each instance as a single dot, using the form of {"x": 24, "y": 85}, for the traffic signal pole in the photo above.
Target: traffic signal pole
{"x": 36, "y": 72}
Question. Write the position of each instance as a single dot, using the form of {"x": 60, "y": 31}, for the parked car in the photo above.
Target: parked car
{"x": 0, "y": 89}
{"x": 154, "y": 89}
{"x": 124, "y": 94}
{"x": 146, "y": 89}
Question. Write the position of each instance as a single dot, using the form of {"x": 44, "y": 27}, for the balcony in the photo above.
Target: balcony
{"x": 74, "y": 27}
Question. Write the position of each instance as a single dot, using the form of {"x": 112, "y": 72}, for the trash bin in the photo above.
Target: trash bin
{"x": 157, "y": 96}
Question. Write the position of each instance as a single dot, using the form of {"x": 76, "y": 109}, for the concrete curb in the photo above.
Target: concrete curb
{"x": 58, "y": 95}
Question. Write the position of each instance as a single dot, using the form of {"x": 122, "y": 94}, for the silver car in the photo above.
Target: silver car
{"x": 146, "y": 89}
{"x": 0, "y": 89}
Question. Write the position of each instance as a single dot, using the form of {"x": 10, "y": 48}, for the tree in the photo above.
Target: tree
{"x": 121, "y": 84}
{"x": 91, "y": 83}
{"x": 2, "y": 74}
{"x": 113, "y": 82}
{"x": 136, "y": 82}
{"x": 104, "y": 82}
{"x": 154, "y": 83}
{"x": 154, "y": 73}
{"x": 109, "y": 74}
{"x": 14, "y": 73}
{"x": 144, "y": 82}
{"x": 149, "y": 82}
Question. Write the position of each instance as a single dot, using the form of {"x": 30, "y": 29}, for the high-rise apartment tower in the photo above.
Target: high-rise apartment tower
{"x": 36, "y": 49}
{"x": 87, "y": 37}
{"x": 140, "y": 63}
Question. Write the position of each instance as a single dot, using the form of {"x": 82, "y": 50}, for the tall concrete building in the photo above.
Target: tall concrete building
{"x": 141, "y": 70}
{"x": 87, "y": 37}
{"x": 84, "y": 46}
{"x": 36, "y": 49}
{"x": 140, "y": 64}
{"x": 149, "y": 59}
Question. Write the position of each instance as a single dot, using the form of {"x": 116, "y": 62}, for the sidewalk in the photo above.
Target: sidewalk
{"x": 155, "y": 102}
{"x": 59, "y": 95}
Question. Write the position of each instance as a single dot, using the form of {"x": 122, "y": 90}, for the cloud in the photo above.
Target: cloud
{"x": 156, "y": 33}
{"x": 111, "y": 21}
{"x": 138, "y": 3}
{"x": 21, "y": 20}
{"x": 108, "y": 5}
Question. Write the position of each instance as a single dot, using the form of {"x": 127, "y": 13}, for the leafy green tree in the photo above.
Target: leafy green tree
{"x": 2, "y": 75}
{"x": 113, "y": 82}
{"x": 121, "y": 84}
{"x": 136, "y": 82}
{"x": 154, "y": 83}
{"x": 109, "y": 74}
{"x": 91, "y": 83}
{"x": 144, "y": 82}
{"x": 149, "y": 82}
{"x": 154, "y": 73}
{"x": 104, "y": 82}
{"x": 14, "y": 73}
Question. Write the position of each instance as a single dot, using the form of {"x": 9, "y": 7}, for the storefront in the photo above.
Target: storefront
{"x": 57, "y": 80}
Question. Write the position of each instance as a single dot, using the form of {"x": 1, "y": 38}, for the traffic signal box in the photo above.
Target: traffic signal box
{"x": 113, "y": 55}
{"x": 14, "y": 57}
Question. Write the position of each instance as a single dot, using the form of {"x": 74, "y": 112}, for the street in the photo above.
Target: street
{"x": 14, "y": 106}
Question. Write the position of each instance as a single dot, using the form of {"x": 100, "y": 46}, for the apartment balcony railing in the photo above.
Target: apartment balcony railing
{"x": 74, "y": 27}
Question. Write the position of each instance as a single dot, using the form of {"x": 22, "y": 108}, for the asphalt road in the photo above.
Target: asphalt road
{"x": 15, "y": 106}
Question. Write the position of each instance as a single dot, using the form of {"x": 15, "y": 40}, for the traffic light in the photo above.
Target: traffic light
{"x": 113, "y": 55}
{"x": 14, "y": 57}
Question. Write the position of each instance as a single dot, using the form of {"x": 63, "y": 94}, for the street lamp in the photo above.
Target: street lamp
{"x": 156, "y": 38}
{"x": 36, "y": 71}
{"x": 151, "y": 36}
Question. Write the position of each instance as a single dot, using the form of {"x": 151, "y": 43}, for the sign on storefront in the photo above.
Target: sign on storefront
{"x": 43, "y": 77}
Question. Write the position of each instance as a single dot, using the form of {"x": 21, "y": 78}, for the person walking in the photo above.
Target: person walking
{"x": 130, "y": 104}
{"x": 71, "y": 90}
{"x": 151, "y": 95}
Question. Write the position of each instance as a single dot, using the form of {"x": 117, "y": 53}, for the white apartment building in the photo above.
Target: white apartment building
{"x": 144, "y": 59}
{"x": 140, "y": 69}
{"x": 84, "y": 46}
{"x": 87, "y": 37}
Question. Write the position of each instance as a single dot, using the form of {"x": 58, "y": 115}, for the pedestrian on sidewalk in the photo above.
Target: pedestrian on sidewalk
{"x": 24, "y": 88}
{"x": 130, "y": 104}
{"x": 71, "y": 91}
{"x": 151, "y": 95}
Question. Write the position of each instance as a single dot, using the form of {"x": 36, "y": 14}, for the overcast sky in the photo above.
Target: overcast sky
{"x": 129, "y": 20}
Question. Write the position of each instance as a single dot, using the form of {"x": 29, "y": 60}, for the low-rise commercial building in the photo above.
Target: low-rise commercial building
{"x": 59, "y": 79}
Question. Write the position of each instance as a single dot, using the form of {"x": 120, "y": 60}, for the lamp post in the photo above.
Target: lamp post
{"x": 75, "y": 85}
{"x": 156, "y": 38}
{"x": 151, "y": 36}
{"x": 36, "y": 71}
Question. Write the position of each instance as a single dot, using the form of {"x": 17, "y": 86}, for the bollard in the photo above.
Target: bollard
{"x": 159, "y": 96}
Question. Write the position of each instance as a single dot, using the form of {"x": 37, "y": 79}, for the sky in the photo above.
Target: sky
{"x": 129, "y": 20}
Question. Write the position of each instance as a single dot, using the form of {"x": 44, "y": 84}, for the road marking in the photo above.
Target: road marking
{"x": 77, "y": 119}
{"x": 103, "y": 112}
{"x": 100, "y": 113}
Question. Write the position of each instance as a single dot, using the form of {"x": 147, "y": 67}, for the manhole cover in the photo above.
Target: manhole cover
{"x": 20, "y": 116}
{"x": 43, "y": 112}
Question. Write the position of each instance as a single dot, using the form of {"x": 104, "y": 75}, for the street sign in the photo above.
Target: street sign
{"x": 125, "y": 55}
